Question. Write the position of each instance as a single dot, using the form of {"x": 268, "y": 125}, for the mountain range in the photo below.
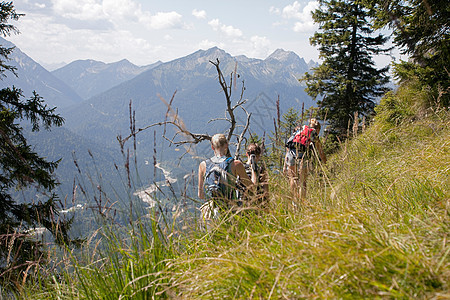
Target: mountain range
{"x": 89, "y": 77}
{"x": 198, "y": 97}
{"x": 33, "y": 77}
{"x": 95, "y": 100}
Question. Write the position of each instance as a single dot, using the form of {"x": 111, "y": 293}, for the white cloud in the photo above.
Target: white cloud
{"x": 62, "y": 43}
{"x": 206, "y": 44}
{"x": 292, "y": 11}
{"x": 231, "y": 31}
{"x": 274, "y": 10}
{"x": 260, "y": 42}
{"x": 260, "y": 46}
{"x": 199, "y": 14}
{"x": 304, "y": 26}
{"x": 215, "y": 24}
{"x": 311, "y": 6}
{"x": 302, "y": 15}
{"x": 167, "y": 20}
{"x": 121, "y": 9}
{"x": 116, "y": 12}
{"x": 80, "y": 10}
{"x": 226, "y": 29}
{"x": 295, "y": 11}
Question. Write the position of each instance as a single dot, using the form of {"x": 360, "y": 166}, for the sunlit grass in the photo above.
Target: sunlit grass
{"x": 379, "y": 230}
{"x": 375, "y": 225}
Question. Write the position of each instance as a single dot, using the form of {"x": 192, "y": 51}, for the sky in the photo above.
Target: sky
{"x": 54, "y": 32}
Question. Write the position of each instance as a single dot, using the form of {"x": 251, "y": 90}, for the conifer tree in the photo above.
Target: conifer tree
{"x": 347, "y": 81}
{"x": 421, "y": 30}
{"x": 21, "y": 167}
{"x": 289, "y": 121}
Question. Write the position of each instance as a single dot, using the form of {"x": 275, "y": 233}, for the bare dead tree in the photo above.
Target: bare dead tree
{"x": 241, "y": 136}
{"x": 185, "y": 137}
{"x": 227, "y": 90}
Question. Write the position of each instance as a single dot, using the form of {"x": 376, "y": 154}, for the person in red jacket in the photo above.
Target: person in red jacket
{"x": 300, "y": 149}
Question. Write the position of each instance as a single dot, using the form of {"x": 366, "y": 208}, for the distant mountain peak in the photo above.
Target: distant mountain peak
{"x": 215, "y": 51}
{"x": 201, "y": 57}
{"x": 282, "y": 55}
{"x": 123, "y": 62}
{"x": 83, "y": 63}
{"x": 91, "y": 77}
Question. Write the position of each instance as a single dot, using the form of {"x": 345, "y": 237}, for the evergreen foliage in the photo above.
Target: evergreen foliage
{"x": 347, "y": 81}
{"x": 289, "y": 121}
{"x": 421, "y": 30}
{"x": 21, "y": 167}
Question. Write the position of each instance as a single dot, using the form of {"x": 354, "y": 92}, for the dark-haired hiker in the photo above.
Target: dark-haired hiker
{"x": 256, "y": 170}
{"x": 300, "y": 149}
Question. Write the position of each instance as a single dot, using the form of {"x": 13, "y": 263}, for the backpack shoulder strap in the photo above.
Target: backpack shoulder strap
{"x": 226, "y": 165}
{"x": 228, "y": 162}
{"x": 209, "y": 164}
{"x": 293, "y": 139}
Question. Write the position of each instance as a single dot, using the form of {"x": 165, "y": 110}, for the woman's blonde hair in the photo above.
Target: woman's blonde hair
{"x": 315, "y": 124}
{"x": 219, "y": 140}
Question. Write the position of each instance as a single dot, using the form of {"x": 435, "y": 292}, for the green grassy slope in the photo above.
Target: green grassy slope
{"x": 380, "y": 229}
{"x": 375, "y": 225}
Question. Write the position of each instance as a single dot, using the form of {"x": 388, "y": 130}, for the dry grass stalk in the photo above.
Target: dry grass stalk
{"x": 355, "y": 124}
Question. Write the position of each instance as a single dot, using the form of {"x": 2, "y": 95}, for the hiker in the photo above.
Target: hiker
{"x": 217, "y": 178}
{"x": 256, "y": 170}
{"x": 300, "y": 149}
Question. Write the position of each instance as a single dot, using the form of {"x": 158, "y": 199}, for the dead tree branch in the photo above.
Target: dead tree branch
{"x": 227, "y": 92}
{"x": 241, "y": 136}
{"x": 189, "y": 138}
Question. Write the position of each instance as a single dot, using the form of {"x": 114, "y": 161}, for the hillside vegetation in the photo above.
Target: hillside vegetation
{"x": 375, "y": 225}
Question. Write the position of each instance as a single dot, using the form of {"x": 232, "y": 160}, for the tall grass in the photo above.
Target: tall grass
{"x": 379, "y": 230}
{"x": 375, "y": 225}
{"x": 114, "y": 265}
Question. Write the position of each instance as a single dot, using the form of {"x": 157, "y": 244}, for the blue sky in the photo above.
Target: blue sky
{"x": 145, "y": 31}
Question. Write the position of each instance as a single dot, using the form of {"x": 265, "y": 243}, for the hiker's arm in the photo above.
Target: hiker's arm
{"x": 254, "y": 178}
{"x": 239, "y": 170}
{"x": 201, "y": 178}
{"x": 254, "y": 175}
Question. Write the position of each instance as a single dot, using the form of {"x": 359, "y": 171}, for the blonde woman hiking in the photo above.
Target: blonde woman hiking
{"x": 217, "y": 178}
